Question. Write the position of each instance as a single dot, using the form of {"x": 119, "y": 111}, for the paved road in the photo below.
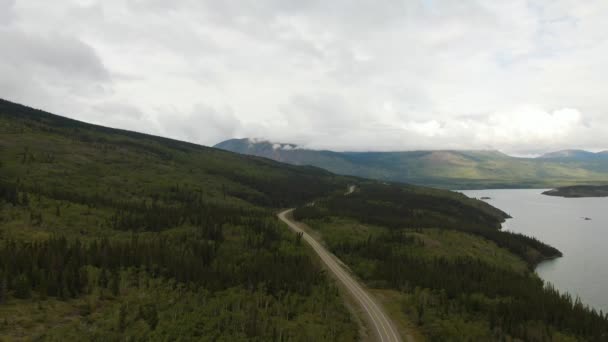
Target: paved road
{"x": 384, "y": 329}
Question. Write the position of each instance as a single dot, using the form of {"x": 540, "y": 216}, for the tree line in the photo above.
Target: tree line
{"x": 395, "y": 207}
{"x": 512, "y": 302}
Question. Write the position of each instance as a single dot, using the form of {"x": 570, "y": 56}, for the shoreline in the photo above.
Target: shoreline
{"x": 545, "y": 259}
{"x": 579, "y": 191}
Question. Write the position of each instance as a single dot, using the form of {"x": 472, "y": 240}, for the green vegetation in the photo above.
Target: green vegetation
{"x": 456, "y": 275}
{"x": 395, "y": 206}
{"x": 579, "y": 191}
{"x": 114, "y": 235}
{"x": 443, "y": 169}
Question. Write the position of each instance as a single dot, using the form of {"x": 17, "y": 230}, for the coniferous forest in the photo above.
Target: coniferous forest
{"x": 114, "y": 235}
{"x": 459, "y": 294}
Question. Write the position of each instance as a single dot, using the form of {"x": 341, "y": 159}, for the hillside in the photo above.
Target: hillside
{"x": 114, "y": 235}
{"x": 444, "y": 169}
{"x": 570, "y": 155}
{"x": 451, "y": 277}
{"x": 107, "y": 234}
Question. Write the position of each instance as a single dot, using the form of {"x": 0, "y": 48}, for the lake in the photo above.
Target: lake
{"x": 560, "y": 222}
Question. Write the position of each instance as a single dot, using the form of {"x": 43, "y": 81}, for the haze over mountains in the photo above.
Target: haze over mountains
{"x": 442, "y": 168}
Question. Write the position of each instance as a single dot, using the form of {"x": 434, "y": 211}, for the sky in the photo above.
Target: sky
{"x": 523, "y": 77}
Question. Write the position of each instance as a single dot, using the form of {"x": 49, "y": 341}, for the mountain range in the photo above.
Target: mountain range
{"x": 452, "y": 169}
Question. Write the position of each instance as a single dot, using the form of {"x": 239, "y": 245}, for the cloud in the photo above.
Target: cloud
{"x": 7, "y": 12}
{"x": 203, "y": 124}
{"x": 54, "y": 55}
{"x": 530, "y": 125}
{"x": 349, "y": 75}
{"x": 51, "y": 71}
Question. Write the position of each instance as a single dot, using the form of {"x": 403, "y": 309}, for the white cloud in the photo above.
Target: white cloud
{"x": 202, "y": 124}
{"x": 428, "y": 128}
{"x": 362, "y": 75}
{"x": 6, "y": 12}
{"x": 530, "y": 124}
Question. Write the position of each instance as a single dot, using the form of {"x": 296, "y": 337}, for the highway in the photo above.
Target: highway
{"x": 382, "y": 327}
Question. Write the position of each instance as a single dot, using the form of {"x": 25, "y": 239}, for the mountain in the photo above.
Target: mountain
{"x": 450, "y": 169}
{"x": 574, "y": 155}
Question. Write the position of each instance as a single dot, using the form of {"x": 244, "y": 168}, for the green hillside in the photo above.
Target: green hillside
{"x": 448, "y": 273}
{"x": 114, "y": 235}
{"x": 443, "y": 169}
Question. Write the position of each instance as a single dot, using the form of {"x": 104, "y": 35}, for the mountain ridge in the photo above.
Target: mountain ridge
{"x": 574, "y": 154}
{"x": 452, "y": 169}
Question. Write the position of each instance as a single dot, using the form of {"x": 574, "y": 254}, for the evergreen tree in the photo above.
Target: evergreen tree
{"x": 22, "y": 287}
{"x": 103, "y": 279}
{"x": 115, "y": 283}
{"x": 3, "y": 290}
{"x": 122, "y": 318}
{"x": 149, "y": 314}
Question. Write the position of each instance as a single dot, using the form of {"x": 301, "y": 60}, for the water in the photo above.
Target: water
{"x": 583, "y": 270}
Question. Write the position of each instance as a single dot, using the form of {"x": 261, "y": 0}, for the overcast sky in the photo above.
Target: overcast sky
{"x": 523, "y": 77}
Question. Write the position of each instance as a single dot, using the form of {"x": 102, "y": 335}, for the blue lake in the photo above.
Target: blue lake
{"x": 560, "y": 222}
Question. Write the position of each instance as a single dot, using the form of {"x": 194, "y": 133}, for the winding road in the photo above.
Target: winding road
{"x": 384, "y": 329}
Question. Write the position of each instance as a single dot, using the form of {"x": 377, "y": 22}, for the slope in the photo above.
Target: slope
{"x": 114, "y": 235}
{"x": 108, "y": 234}
{"x": 445, "y": 270}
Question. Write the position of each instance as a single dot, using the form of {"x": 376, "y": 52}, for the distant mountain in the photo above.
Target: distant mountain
{"x": 443, "y": 168}
{"x": 575, "y": 155}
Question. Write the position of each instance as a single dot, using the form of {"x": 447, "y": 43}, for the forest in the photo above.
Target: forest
{"x": 450, "y": 296}
{"x": 394, "y": 206}
{"x": 114, "y": 235}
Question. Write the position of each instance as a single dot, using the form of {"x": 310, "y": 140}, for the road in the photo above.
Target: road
{"x": 351, "y": 189}
{"x": 382, "y": 327}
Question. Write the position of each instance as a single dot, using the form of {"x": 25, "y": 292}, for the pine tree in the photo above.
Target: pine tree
{"x": 43, "y": 286}
{"x": 3, "y": 290}
{"x": 122, "y": 318}
{"x": 25, "y": 200}
{"x": 22, "y": 287}
{"x": 149, "y": 314}
{"x": 115, "y": 283}
{"x": 103, "y": 279}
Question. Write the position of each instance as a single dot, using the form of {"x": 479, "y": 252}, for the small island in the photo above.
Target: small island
{"x": 579, "y": 191}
